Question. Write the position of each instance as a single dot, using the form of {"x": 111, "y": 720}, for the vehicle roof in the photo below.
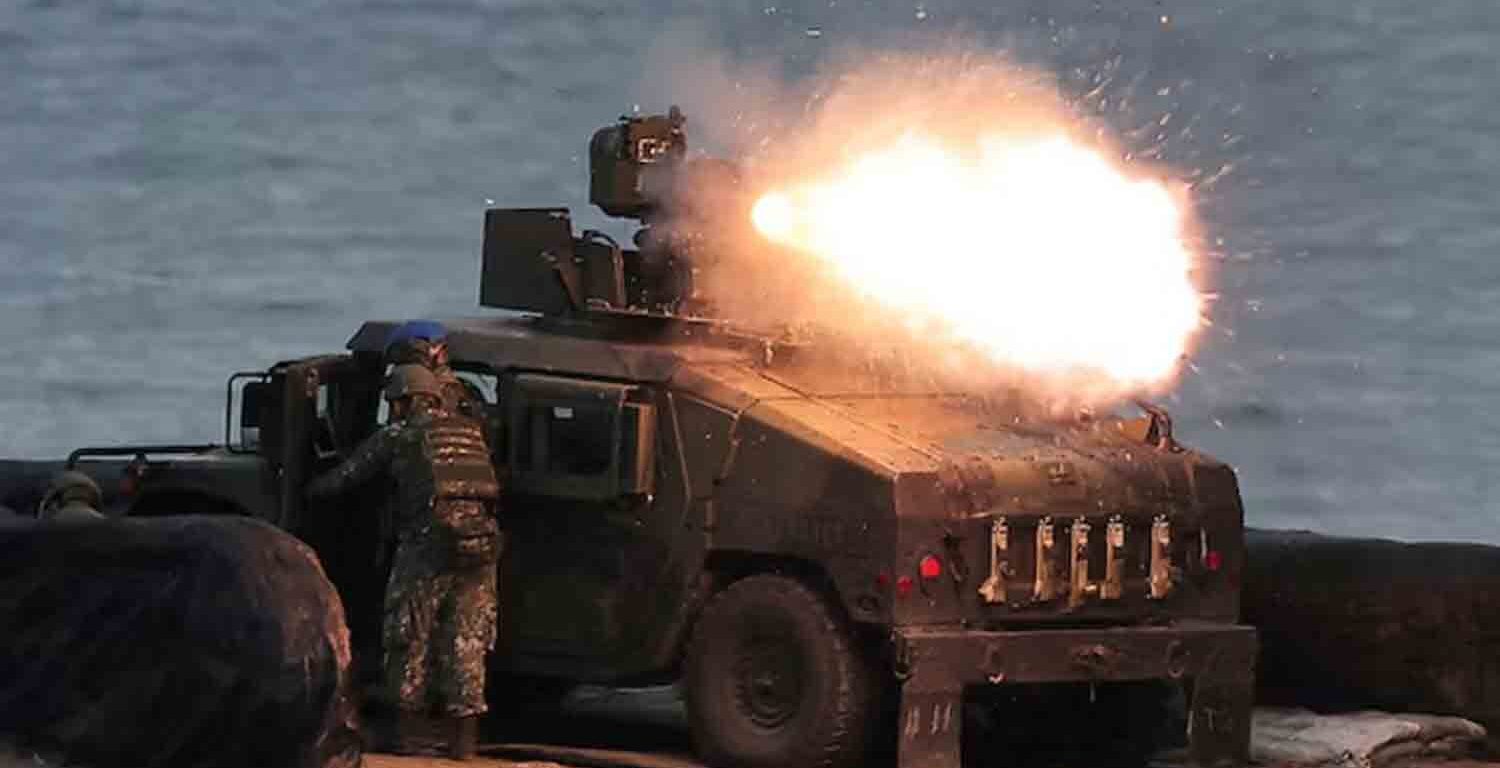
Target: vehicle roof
{"x": 528, "y": 342}
{"x": 723, "y": 375}
{"x": 890, "y": 432}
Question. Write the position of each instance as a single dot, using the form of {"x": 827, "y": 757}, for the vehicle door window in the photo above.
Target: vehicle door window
{"x": 326, "y": 435}
{"x": 567, "y": 437}
{"x": 486, "y": 385}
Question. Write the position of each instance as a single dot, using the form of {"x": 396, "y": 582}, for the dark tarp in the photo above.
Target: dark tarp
{"x": 22, "y": 484}
{"x": 183, "y": 641}
{"x": 1351, "y": 624}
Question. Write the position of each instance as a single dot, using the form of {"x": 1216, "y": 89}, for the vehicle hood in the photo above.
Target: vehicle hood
{"x": 962, "y": 456}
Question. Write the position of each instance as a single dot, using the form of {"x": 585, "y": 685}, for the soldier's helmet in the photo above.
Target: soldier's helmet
{"x": 410, "y": 380}
{"x": 420, "y": 342}
{"x": 71, "y": 486}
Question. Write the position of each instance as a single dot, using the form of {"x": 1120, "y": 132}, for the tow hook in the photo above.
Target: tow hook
{"x": 1095, "y": 660}
{"x": 994, "y": 664}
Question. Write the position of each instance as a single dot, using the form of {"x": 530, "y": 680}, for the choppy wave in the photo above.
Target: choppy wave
{"x": 191, "y": 188}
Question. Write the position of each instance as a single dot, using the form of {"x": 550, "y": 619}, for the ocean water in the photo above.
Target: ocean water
{"x": 193, "y": 187}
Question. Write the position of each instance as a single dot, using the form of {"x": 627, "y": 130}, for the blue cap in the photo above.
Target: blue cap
{"x": 430, "y": 330}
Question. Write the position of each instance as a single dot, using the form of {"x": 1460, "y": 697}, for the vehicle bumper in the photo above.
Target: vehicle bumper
{"x": 935, "y": 664}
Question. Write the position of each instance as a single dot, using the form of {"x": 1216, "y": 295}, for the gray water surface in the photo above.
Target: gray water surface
{"x": 191, "y": 187}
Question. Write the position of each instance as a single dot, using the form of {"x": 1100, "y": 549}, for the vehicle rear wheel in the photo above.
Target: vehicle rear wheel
{"x": 774, "y": 679}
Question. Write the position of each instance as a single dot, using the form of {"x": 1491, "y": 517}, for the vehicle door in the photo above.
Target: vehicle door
{"x": 580, "y": 559}
{"x": 329, "y": 405}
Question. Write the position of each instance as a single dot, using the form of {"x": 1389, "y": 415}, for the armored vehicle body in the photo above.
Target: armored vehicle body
{"x": 824, "y": 558}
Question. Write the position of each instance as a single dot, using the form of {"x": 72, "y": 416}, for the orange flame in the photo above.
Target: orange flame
{"x": 1037, "y": 251}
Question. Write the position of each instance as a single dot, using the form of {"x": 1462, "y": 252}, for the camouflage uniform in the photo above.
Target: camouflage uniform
{"x": 439, "y": 624}
{"x": 440, "y": 604}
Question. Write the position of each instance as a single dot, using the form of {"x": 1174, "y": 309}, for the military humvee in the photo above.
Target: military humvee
{"x": 823, "y": 560}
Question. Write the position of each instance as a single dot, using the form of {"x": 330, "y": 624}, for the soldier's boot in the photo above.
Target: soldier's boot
{"x": 404, "y": 733}
{"x": 465, "y": 738}
{"x": 413, "y": 735}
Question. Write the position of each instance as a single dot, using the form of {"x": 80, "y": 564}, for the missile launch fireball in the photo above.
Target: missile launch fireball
{"x": 969, "y": 219}
{"x": 1075, "y": 269}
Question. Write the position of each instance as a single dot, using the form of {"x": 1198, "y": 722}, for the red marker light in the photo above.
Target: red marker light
{"x": 930, "y": 567}
{"x": 882, "y": 581}
{"x": 903, "y": 586}
{"x": 1212, "y": 560}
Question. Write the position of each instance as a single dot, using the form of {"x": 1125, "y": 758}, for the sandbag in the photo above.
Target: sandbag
{"x": 1299, "y": 738}
{"x": 1348, "y": 624}
{"x": 179, "y": 641}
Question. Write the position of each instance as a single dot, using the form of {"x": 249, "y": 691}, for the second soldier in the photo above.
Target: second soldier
{"x": 440, "y": 603}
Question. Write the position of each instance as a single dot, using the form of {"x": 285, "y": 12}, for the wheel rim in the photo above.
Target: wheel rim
{"x": 768, "y": 675}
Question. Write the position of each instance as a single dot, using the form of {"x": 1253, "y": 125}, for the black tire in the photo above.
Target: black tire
{"x": 774, "y": 679}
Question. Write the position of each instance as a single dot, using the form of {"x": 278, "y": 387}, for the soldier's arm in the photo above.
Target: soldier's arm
{"x": 367, "y": 461}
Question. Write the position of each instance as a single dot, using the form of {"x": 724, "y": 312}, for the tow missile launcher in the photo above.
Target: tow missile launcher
{"x": 638, "y": 169}
{"x": 796, "y": 541}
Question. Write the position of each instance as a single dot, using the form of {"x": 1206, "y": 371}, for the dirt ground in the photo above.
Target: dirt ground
{"x": 635, "y": 729}
{"x": 542, "y": 756}
{"x": 503, "y": 757}
{"x": 392, "y": 761}
{"x": 595, "y": 728}
{"x": 539, "y": 756}
{"x": 493, "y": 756}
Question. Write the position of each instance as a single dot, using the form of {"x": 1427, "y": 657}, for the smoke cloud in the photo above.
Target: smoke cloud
{"x": 799, "y": 133}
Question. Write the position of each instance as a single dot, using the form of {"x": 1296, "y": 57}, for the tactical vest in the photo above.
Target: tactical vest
{"x": 460, "y": 459}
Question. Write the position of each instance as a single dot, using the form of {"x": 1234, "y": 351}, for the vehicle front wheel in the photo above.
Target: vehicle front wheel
{"x": 774, "y": 679}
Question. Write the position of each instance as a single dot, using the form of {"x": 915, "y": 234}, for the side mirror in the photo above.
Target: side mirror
{"x": 637, "y": 449}
{"x": 248, "y": 399}
{"x": 252, "y": 400}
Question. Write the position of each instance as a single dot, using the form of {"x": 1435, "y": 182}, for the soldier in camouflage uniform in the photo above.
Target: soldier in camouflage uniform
{"x": 440, "y": 603}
